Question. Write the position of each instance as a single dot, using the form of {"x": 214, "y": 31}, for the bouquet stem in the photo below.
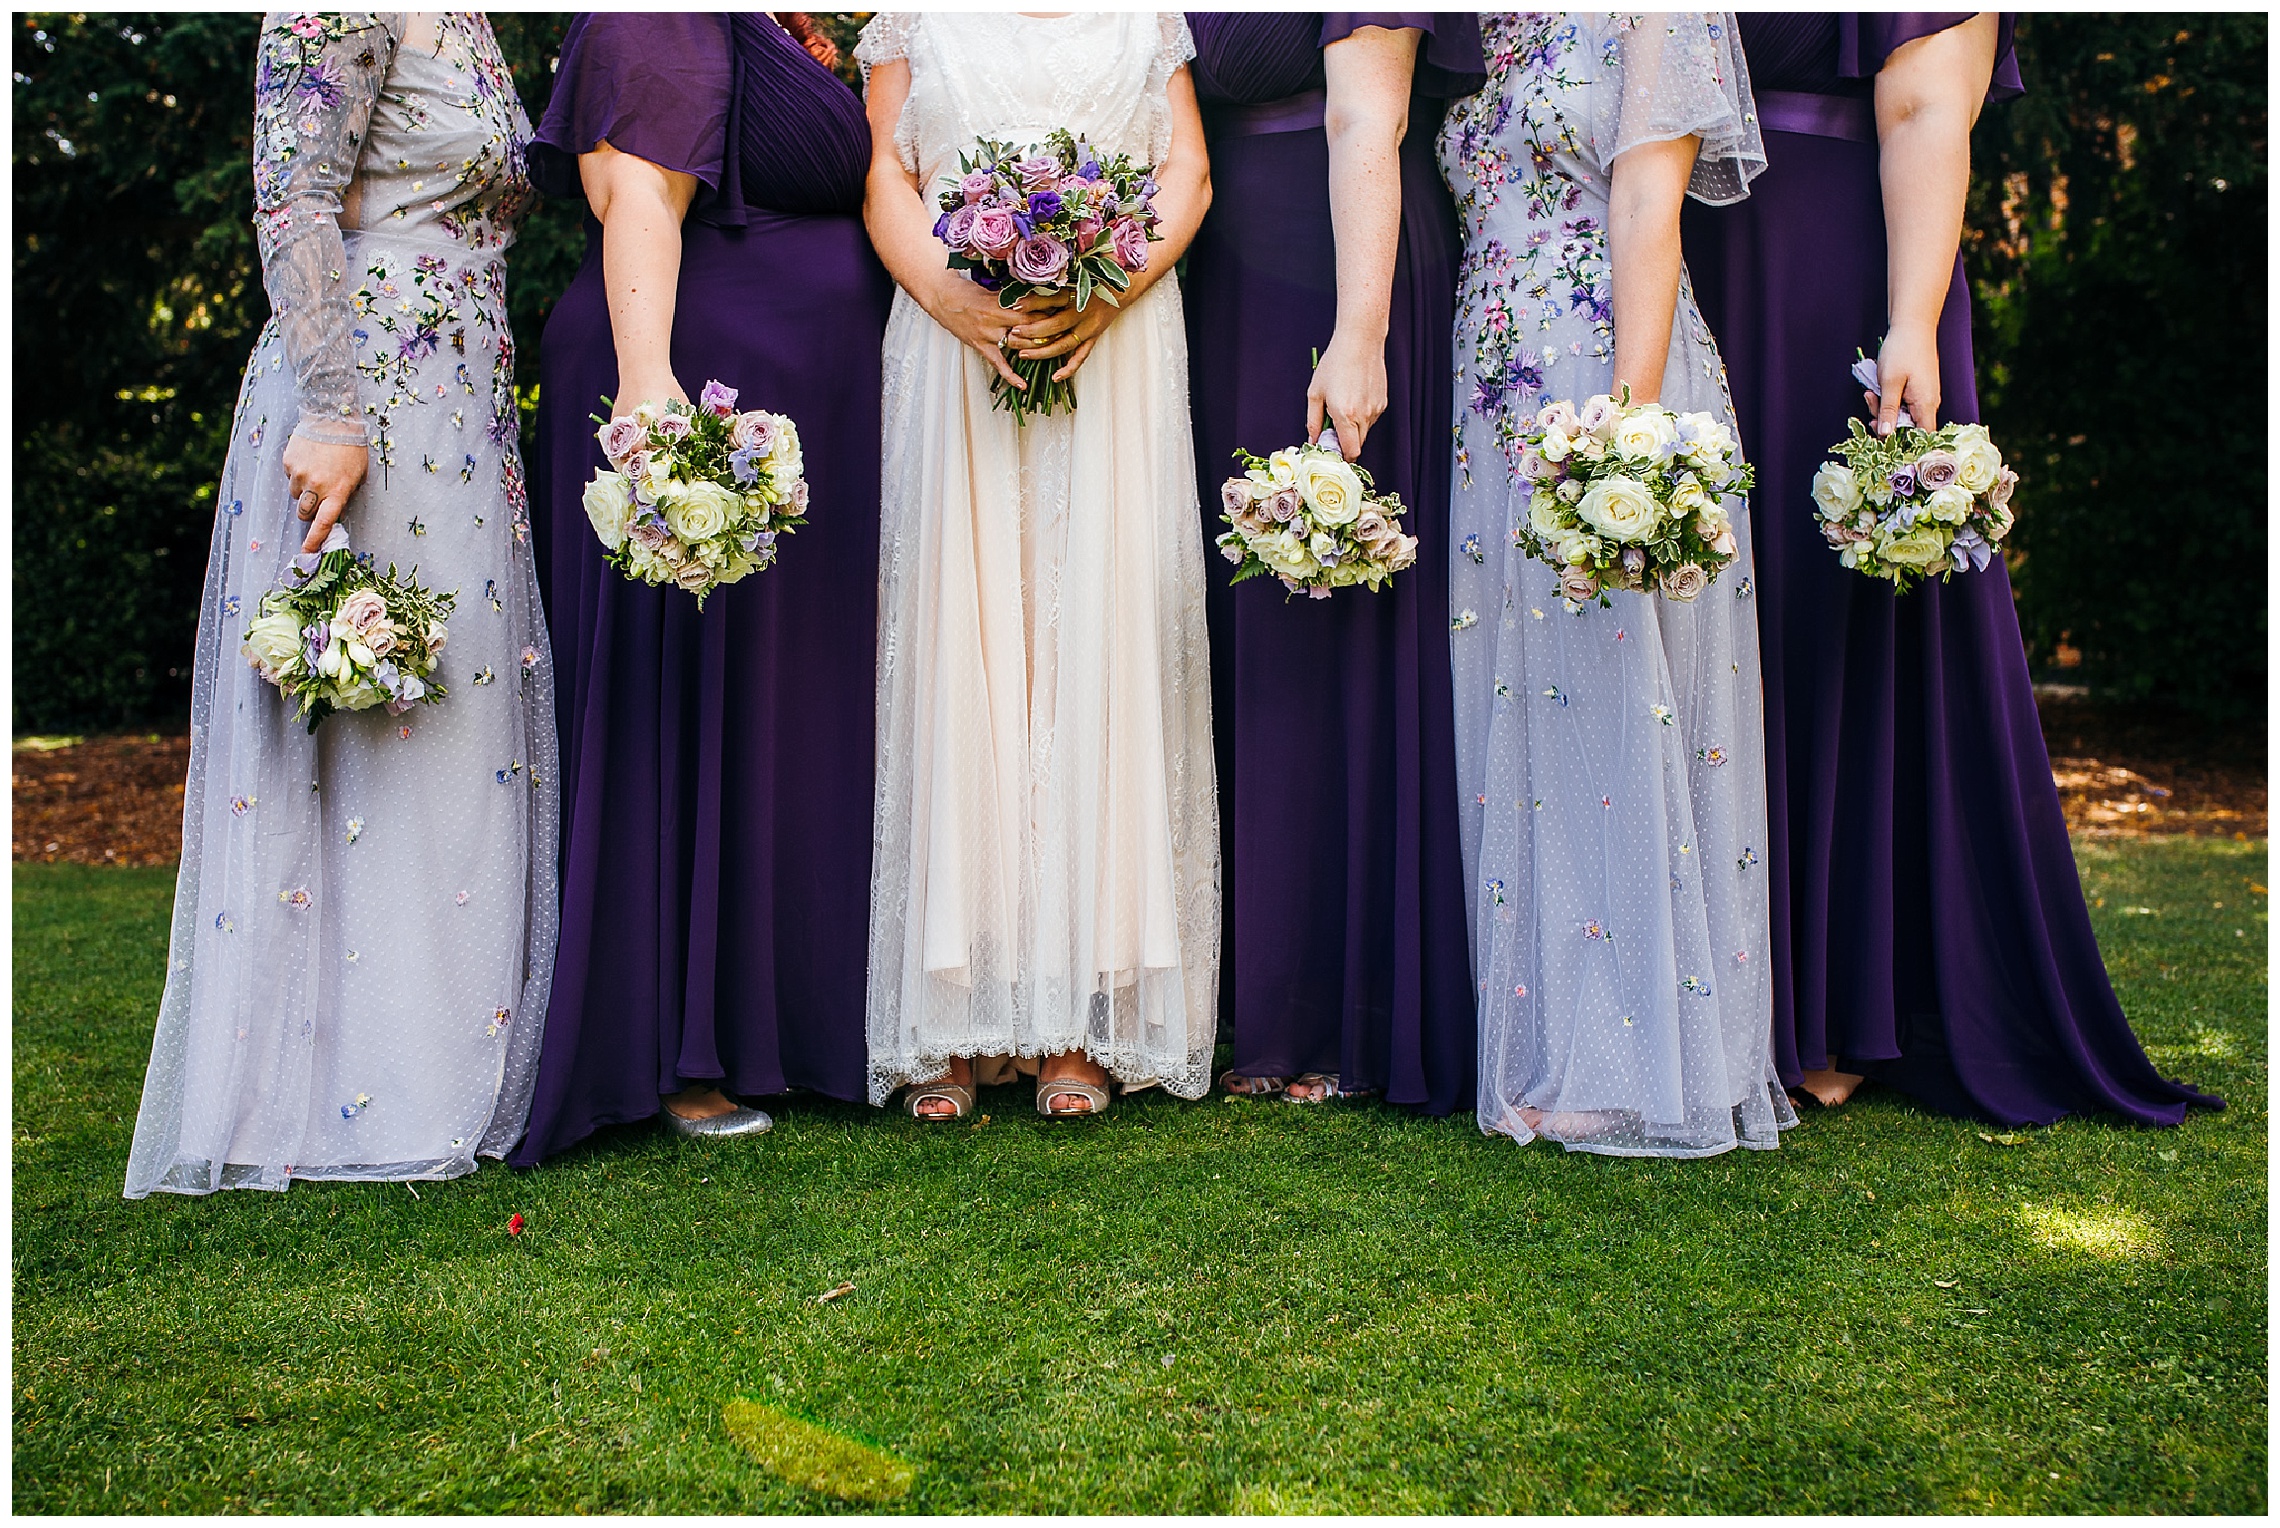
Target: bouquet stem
{"x": 1045, "y": 396}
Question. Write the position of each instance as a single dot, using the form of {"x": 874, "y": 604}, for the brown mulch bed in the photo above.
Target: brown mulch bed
{"x": 2120, "y": 773}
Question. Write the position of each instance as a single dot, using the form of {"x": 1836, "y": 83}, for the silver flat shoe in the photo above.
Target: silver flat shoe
{"x": 737, "y": 1121}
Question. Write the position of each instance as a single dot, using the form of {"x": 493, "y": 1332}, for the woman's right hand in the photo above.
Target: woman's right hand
{"x": 1908, "y": 374}
{"x": 322, "y": 478}
{"x": 975, "y": 318}
{"x": 634, "y": 391}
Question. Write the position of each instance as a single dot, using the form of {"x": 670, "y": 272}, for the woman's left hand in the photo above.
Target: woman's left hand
{"x": 1349, "y": 387}
{"x": 1063, "y": 330}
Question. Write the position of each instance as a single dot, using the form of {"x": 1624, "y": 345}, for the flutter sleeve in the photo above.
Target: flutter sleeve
{"x": 657, "y": 86}
{"x": 885, "y": 38}
{"x": 317, "y": 76}
{"x": 1682, "y": 74}
{"x": 1175, "y": 45}
{"x": 1449, "y": 63}
{"x": 1865, "y": 39}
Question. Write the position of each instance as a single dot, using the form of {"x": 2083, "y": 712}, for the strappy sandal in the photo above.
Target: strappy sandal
{"x": 1251, "y": 1087}
{"x": 1327, "y": 1082}
{"x": 1096, "y": 1098}
{"x": 957, "y": 1095}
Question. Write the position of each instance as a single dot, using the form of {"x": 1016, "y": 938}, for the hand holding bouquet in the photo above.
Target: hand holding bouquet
{"x": 1060, "y": 218}
{"x": 696, "y": 497}
{"x": 1310, "y": 518}
{"x": 1915, "y": 502}
{"x": 341, "y": 637}
{"x": 1630, "y": 496}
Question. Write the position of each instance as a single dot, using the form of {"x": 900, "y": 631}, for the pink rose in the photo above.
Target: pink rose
{"x": 1684, "y": 582}
{"x": 959, "y": 233}
{"x": 649, "y": 534}
{"x": 1130, "y": 243}
{"x": 1999, "y": 523}
{"x": 975, "y": 186}
{"x": 1558, "y": 416}
{"x": 1038, "y": 172}
{"x": 1231, "y": 550}
{"x": 1040, "y": 260}
{"x": 1371, "y": 528}
{"x": 620, "y": 438}
{"x": 753, "y": 432}
{"x": 693, "y": 576}
{"x": 1399, "y": 552}
{"x": 1533, "y": 468}
{"x": 1578, "y": 584}
{"x": 800, "y": 497}
{"x": 673, "y": 427}
{"x": 1936, "y": 469}
{"x": 363, "y": 610}
{"x": 1283, "y": 506}
{"x": 2000, "y": 494}
{"x": 1087, "y": 230}
{"x": 1235, "y": 496}
{"x": 994, "y": 232}
{"x": 1723, "y": 543}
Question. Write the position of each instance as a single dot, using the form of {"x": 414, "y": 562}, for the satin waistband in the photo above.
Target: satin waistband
{"x": 1291, "y": 114}
{"x": 1823, "y": 116}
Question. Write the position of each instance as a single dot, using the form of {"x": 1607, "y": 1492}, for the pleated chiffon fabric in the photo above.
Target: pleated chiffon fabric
{"x": 1927, "y": 918}
{"x": 1345, "y": 947}
{"x": 716, "y": 765}
{"x": 1046, "y": 870}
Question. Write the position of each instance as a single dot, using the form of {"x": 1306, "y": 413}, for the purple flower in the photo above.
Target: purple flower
{"x": 975, "y": 186}
{"x": 419, "y": 344}
{"x": 744, "y": 465}
{"x": 621, "y": 437}
{"x": 1235, "y": 496}
{"x": 1039, "y": 260}
{"x": 321, "y": 83}
{"x": 958, "y": 228}
{"x": 1038, "y": 170}
{"x": 1902, "y": 479}
{"x": 942, "y": 228}
{"x": 1129, "y": 241}
{"x": 305, "y": 565}
{"x": 721, "y": 400}
{"x": 1045, "y": 204}
{"x": 994, "y": 232}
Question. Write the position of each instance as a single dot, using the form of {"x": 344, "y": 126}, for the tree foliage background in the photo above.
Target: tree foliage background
{"x": 2117, "y": 245}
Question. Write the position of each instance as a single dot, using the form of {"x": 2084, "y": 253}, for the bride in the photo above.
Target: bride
{"x": 1045, "y": 873}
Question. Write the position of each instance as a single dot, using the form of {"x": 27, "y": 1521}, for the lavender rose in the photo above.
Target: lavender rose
{"x": 1087, "y": 230}
{"x": 753, "y": 432}
{"x": 620, "y": 438}
{"x": 673, "y": 427}
{"x": 993, "y": 232}
{"x": 1038, "y": 171}
{"x": 958, "y": 228}
{"x": 1684, "y": 582}
{"x": 1902, "y": 479}
{"x": 1578, "y": 584}
{"x": 1282, "y": 505}
{"x": 1235, "y": 496}
{"x": 2000, "y": 494}
{"x": 1039, "y": 260}
{"x": 1936, "y": 469}
{"x": 1129, "y": 244}
{"x": 975, "y": 186}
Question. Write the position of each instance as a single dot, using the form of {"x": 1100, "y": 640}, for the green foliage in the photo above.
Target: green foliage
{"x": 2118, "y": 257}
{"x": 1184, "y": 1307}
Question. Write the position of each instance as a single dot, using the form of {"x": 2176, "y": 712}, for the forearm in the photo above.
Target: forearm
{"x": 1643, "y": 254}
{"x": 1925, "y": 163}
{"x": 1365, "y": 220}
{"x": 641, "y": 276}
{"x": 1183, "y": 187}
{"x": 902, "y": 232}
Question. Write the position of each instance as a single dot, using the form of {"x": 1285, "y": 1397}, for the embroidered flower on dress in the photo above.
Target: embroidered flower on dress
{"x": 1666, "y": 716}
{"x": 362, "y": 1102}
{"x": 1464, "y": 620}
{"x": 459, "y": 899}
{"x": 1695, "y": 985}
{"x": 1471, "y": 548}
{"x": 1749, "y": 858}
{"x": 1711, "y": 756}
{"x": 225, "y": 922}
{"x": 1596, "y": 930}
{"x": 1554, "y": 693}
{"x": 240, "y": 805}
{"x": 298, "y": 898}
{"x": 355, "y": 829}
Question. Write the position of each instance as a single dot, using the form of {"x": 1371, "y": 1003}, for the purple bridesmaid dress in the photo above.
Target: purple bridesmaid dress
{"x": 1345, "y": 929}
{"x": 1928, "y": 922}
{"x": 716, "y": 769}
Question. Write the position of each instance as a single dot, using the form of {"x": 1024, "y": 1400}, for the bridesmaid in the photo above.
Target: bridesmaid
{"x": 1345, "y": 959}
{"x": 716, "y": 767}
{"x": 1928, "y": 925}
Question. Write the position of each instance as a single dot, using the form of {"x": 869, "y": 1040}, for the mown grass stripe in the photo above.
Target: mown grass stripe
{"x": 816, "y": 1458}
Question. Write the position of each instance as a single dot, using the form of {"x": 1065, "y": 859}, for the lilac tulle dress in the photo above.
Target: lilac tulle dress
{"x": 1345, "y": 946}
{"x": 716, "y": 767}
{"x": 1928, "y": 923}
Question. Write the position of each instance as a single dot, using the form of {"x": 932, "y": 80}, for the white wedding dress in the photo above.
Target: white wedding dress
{"x": 1046, "y": 845}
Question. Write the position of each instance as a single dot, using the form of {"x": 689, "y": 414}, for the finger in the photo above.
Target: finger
{"x": 1313, "y": 414}
{"x": 1869, "y": 400}
{"x": 327, "y": 515}
{"x": 1925, "y": 410}
{"x": 1888, "y": 410}
{"x": 996, "y": 358}
{"x": 1046, "y": 328}
{"x": 1046, "y": 351}
{"x": 1075, "y": 361}
{"x": 1351, "y": 429}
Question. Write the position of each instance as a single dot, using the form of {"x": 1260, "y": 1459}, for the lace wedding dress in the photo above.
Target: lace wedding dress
{"x": 1045, "y": 863}
{"x": 364, "y": 921}
{"x": 1611, "y": 763}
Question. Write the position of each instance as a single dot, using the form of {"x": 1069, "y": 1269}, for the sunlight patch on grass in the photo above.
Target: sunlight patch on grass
{"x": 816, "y": 1458}
{"x": 2103, "y": 1231}
{"x": 1296, "y": 1500}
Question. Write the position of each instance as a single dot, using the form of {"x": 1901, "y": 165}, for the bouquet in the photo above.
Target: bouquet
{"x": 1629, "y": 496}
{"x": 696, "y": 497}
{"x": 1914, "y": 502}
{"x": 1311, "y": 518}
{"x": 1054, "y": 219}
{"x": 341, "y": 637}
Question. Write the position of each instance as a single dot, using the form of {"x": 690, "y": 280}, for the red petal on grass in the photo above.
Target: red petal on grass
{"x": 515, "y": 1224}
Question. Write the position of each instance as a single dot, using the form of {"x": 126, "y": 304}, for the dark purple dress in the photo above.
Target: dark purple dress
{"x": 1928, "y": 923}
{"x": 716, "y": 792}
{"x": 1345, "y": 930}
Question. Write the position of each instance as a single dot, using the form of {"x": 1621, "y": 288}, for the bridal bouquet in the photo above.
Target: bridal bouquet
{"x": 696, "y": 497}
{"x": 1629, "y": 496}
{"x": 1915, "y": 502}
{"x": 341, "y": 637}
{"x": 1057, "y": 218}
{"x": 1309, "y": 517}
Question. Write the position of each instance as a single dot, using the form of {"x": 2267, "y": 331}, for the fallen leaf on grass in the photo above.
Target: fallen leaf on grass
{"x": 816, "y": 1458}
{"x": 830, "y": 1295}
{"x": 1944, "y": 1283}
{"x": 2167, "y": 1156}
{"x": 2003, "y": 1140}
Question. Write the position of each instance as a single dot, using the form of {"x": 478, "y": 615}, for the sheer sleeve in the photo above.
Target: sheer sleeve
{"x": 1175, "y": 45}
{"x": 886, "y": 37}
{"x": 316, "y": 78}
{"x": 1865, "y": 39}
{"x": 1449, "y": 63}
{"x": 655, "y": 85}
{"x": 1681, "y": 74}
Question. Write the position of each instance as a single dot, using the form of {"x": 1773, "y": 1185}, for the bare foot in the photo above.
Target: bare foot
{"x": 1831, "y": 1087}
{"x": 1070, "y": 1066}
{"x": 961, "y": 1074}
{"x": 1532, "y": 1118}
{"x": 703, "y": 1101}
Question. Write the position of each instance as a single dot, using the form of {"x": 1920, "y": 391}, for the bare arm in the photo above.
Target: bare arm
{"x": 1368, "y": 75}
{"x": 1183, "y": 195}
{"x": 902, "y": 231}
{"x": 640, "y": 206}
{"x": 1647, "y": 187}
{"x": 1927, "y": 97}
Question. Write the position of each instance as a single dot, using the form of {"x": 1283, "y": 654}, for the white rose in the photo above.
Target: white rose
{"x": 609, "y": 500}
{"x": 1570, "y": 491}
{"x": 1555, "y": 447}
{"x": 1590, "y": 447}
{"x": 1919, "y": 548}
{"x": 1643, "y": 432}
{"x": 1544, "y": 514}
{"x": 1331, "y": 488}
{"x": 1577, "y": 547}
{"x": 273, "y": 644}
{"x": 1285, "y": 553}
{"x": 1949, "y": 504}
{"x": 1620, "y": 507}
{"x": 1282, "y": 468}
{"x": 1598, "y": 415}
{"x": 698, "y": 511}
{"x": 1977, "y": 462}
{"x": 785, "y": 476}
{"x": 1687, "y": 498}
{"x": 1836, "y": 490}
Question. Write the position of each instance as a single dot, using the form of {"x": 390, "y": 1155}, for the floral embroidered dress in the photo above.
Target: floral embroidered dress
{"x": 1610, "y": 761}
{"x": 365, "y": 917}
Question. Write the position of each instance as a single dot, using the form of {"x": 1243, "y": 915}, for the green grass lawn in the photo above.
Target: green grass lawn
{"x": 1183, "y": 1308}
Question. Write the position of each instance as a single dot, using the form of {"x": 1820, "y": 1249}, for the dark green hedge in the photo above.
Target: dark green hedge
{"x": 2118, "y": 245}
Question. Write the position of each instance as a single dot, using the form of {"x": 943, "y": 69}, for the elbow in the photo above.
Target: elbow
{"x": 1351, "y": 127}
